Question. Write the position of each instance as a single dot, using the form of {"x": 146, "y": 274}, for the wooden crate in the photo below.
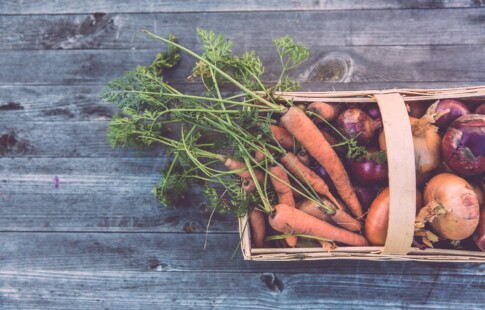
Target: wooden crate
{"x": 402, "y": 182}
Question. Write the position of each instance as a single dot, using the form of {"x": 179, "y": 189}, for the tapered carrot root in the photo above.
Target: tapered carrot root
{"x": 341, "y": 218}
{"x": 306, "y": 132}
{"x": 284, "y": 138}
{"x": 286, "y": 219}
{"x": 281, "y": 185}
{"x": 258, "y": 227}
{"x": 280, "y": 181}
{"x": 327, "y": 111}
{"x": 305, "y": 174}
{"x": 233, "y": 164}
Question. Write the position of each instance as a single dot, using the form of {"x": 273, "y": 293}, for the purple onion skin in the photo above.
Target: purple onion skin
{"x": 457, "y": 109}
{"x": 366, "y": 194}
{"x": 356, "y": 122}
{"x": 324, "y": 175}
{"x": 367, "y": 171}
{"x": 463, "y": 145}
{"x": 373, "y": 110}
{"x": 480, "y": 109}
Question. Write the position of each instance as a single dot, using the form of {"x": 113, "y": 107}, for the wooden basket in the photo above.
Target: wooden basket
{"x": 402, "y": 182}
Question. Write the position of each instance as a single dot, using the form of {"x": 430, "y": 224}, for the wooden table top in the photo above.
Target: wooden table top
{"x": 79, "y": 228}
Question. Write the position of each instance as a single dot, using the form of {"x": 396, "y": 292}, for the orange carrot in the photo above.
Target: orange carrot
{"x": 341, "y": 218}
{"x": 305, "y": 174}
{"x": 233, "y": 164}
{"x": 280, "y": 181}
{"x": 306, "y": 132}
{"x": 286, "y": 219}
{"x": 281, "y": 185}
{"x": 283, "y": 137}
{"x": 248, "y": 185}
{"x": 258, "y": 156}
{"x": 258, "y": 227}
{"x": 327, "y": 111}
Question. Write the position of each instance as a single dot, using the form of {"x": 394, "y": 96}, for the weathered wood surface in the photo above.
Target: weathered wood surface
{"x": 331, "y": 64}
{"x": 79, "y": 228}
{"x": 366, "y": 27}
{"x": 89, "y": 6}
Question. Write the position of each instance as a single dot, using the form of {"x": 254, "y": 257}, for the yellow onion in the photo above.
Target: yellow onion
{"x": 451, "y": 207}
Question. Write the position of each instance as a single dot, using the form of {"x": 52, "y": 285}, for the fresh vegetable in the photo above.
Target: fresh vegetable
{"x": 373, "y": 110}
{"x": 241, "y": 169}
{"x": 417, "y": 109}
{"x": 455, "y": 109}
{"x": 283, "y": 137}
{"x": 281, "y": 184}
{"x": 377, "y": 221}
{"x": 305, "y": 132}
{"x": 355, "y": 123}
{"x": 258, "y": 227}
{"x": 307, "y": 177}
{"x": 370, "y": 168}
{"x": 288, "y": 220}
{"x": 426, "y": 141}
{"x": 340, "y": 217}
{"x": 366, "y": 194}
{"x": 463, "y": 145}
{"x": 325, "y": 111}
{"x": 451, "y": 207}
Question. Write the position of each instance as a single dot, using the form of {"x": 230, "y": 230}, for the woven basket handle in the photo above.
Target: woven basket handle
{"x": 402, "y": 175}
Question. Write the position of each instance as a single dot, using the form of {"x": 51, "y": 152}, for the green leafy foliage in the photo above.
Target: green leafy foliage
{"x": 208, "y": 128}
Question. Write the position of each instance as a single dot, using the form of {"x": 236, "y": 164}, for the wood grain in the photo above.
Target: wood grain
{"x": 82, "y": 102}
{"x": 189, "y": 290}
{"x": 328, "y": 28}
{"x": 126, "y": 6}
{"x": 369, "y": 64}
{"x": 150, "y": 270}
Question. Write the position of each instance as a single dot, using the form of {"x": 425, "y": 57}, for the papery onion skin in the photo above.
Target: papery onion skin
{"x": 456, "y": 109}
{"x": 377, "y": 221}
{"x": 427, "y": 145}
{"x": 463, "y": 145}
{"x": 357, "y": 123}
{"x": 456, "y": 196}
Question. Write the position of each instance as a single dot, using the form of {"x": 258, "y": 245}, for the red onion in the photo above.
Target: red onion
{"x": 463, "y": 145}
{"x": 356, "y": 122}
{"x": 456, "y": 108}
{"x": 366, "y": 194}
{"x": 480, "y": 109}
{"x": 417, "y": 109}
{"x": 369, "y": 169}
{"x": 324, "y": 175}
{"x": 373, "y": 110}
